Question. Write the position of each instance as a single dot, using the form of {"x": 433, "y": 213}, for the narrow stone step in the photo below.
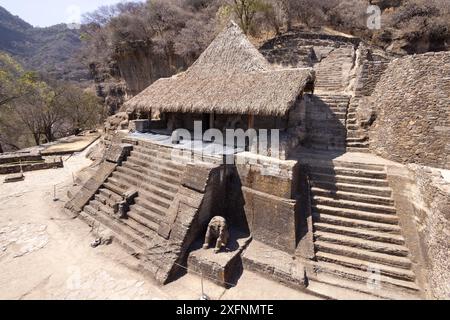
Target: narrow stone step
{"x": 356, "y": 214}
{"x": 349, "y": 179}
{"x": 359, "y": 224}
{"x": 376, "y": 257}
{"x": 358, "y": 144}
{"x": 354, "y": 205}
{"x": 360, "y": 233}
{"x": 164, "y": 155}
{"x": 113, "y": 187}
{"x": 360, "y": 150}
{"x": 363, "y": 277}
{"x": 357, "y": 197}
{"x": 370, "y": 245}
{"x": 357, "y": 139}
{"x": 392, "y": 272}
{"x": 363, "y": 166}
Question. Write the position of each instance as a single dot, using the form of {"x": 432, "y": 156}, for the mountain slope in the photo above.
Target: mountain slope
{"x": 48, "y": 50}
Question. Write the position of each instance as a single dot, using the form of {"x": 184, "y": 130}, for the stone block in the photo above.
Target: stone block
{"x": 272, "y": 220}
{"x": 117, "y": 153}
{"x": 275, "y": 264}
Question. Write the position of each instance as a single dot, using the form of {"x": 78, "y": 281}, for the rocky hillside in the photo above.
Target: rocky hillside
{"x": 48, "y": 50}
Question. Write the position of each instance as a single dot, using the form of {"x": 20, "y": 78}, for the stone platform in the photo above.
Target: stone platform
{"x": 225, "y": 267}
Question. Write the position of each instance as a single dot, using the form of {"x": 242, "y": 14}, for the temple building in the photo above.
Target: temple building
{"x": 230, "y": 86}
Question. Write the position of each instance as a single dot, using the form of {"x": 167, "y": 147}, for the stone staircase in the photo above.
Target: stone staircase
{"x": 156, "y": 176}
{"x": 331, "y": 71}
{"x": 357, "y": 138}
{"x": 326, "y": 116}
{"x": 357, "y": 236}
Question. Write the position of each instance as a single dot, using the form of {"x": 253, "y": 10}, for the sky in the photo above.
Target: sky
{"x": 46, "y": 13}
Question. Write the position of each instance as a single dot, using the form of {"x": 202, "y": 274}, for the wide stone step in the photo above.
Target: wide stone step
{"x": 407, "y": 287}
{"x": 393, "y": 272}
{"x": 147, "y": 205}
{"x": 143, "y": 195}
{"x": 165, "y": 154}
{"x": 106, "y": 201}
{"x": 375, "y": 191}
{"x": 147, "y": 163}
{"x": 143, "y": 218}
{"x": 359, "y": 224}
{"x": 148, "y": 191}
{"x": 361, "y": 173}
{"x": 353, "y": 242}
{"x": 141, "y": 173}
{"x": 365, "y": 255}
{"x": 150, "y": 160}
{"x": 357, "y": 197}
{"x": 97, "y": 205}
{"x": 108, "y": 194}
{"x": 354, "y": 205}
{"x": 153, "y": 216}
{"x": 356, "y": 214}
{"x": 362, "y": 233}
{"x": 123, "y": 235}
{"x": 349, "y": 179}
{"x": 143, "y": 183}
{"x": 135, "y": 232}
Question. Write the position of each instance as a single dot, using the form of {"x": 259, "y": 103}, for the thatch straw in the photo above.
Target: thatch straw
{"x": 230, "y": 77}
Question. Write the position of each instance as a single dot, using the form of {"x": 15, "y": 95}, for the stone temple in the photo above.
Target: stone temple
{"x": 337, "y": 188}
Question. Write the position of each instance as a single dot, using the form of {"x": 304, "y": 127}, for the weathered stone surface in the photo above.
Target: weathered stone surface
{"x": 423, "y": 200}
{"x": 412, "y": 102}
{"x": 117, "y": 153}
{"x": 272, "y": 220}
{"x": 14, "y": 177}
{"x": 87, "y": 191}
{"x": 223, "y": 267}
{"x": 275, "y": 264}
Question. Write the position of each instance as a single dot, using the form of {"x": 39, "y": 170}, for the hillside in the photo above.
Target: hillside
{"x": 48, "y": 50}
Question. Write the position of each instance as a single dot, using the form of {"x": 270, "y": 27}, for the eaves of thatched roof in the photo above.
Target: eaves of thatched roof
{"x": 230, "y": 77}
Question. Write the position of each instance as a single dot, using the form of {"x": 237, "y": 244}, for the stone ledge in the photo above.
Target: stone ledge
{"x": 275, "y": 264}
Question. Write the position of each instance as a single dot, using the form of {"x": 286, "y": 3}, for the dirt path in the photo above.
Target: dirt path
{"x": 46, "y": 255}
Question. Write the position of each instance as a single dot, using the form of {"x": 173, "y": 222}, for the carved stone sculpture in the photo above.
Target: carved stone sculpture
{"x": 218, "y": 231}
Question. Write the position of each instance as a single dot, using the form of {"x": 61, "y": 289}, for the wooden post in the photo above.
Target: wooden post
{"x": 251, "y": 121}
{"x": 211, "y": 120}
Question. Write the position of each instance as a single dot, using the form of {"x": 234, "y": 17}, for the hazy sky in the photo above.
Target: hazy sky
{"x": 45, "y": 13}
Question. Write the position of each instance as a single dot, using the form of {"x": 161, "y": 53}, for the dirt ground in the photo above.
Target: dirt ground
{"x": 44, "y": 254}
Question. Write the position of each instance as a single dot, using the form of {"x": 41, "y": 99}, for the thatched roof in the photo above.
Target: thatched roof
{"x": 230, "y": 77}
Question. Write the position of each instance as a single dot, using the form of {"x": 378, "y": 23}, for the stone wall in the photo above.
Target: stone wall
{"x": 427, "y": 204}
{"x": 412, "y": 106}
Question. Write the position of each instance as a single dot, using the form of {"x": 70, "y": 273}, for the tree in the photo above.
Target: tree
{"x": 245, "y": 11}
